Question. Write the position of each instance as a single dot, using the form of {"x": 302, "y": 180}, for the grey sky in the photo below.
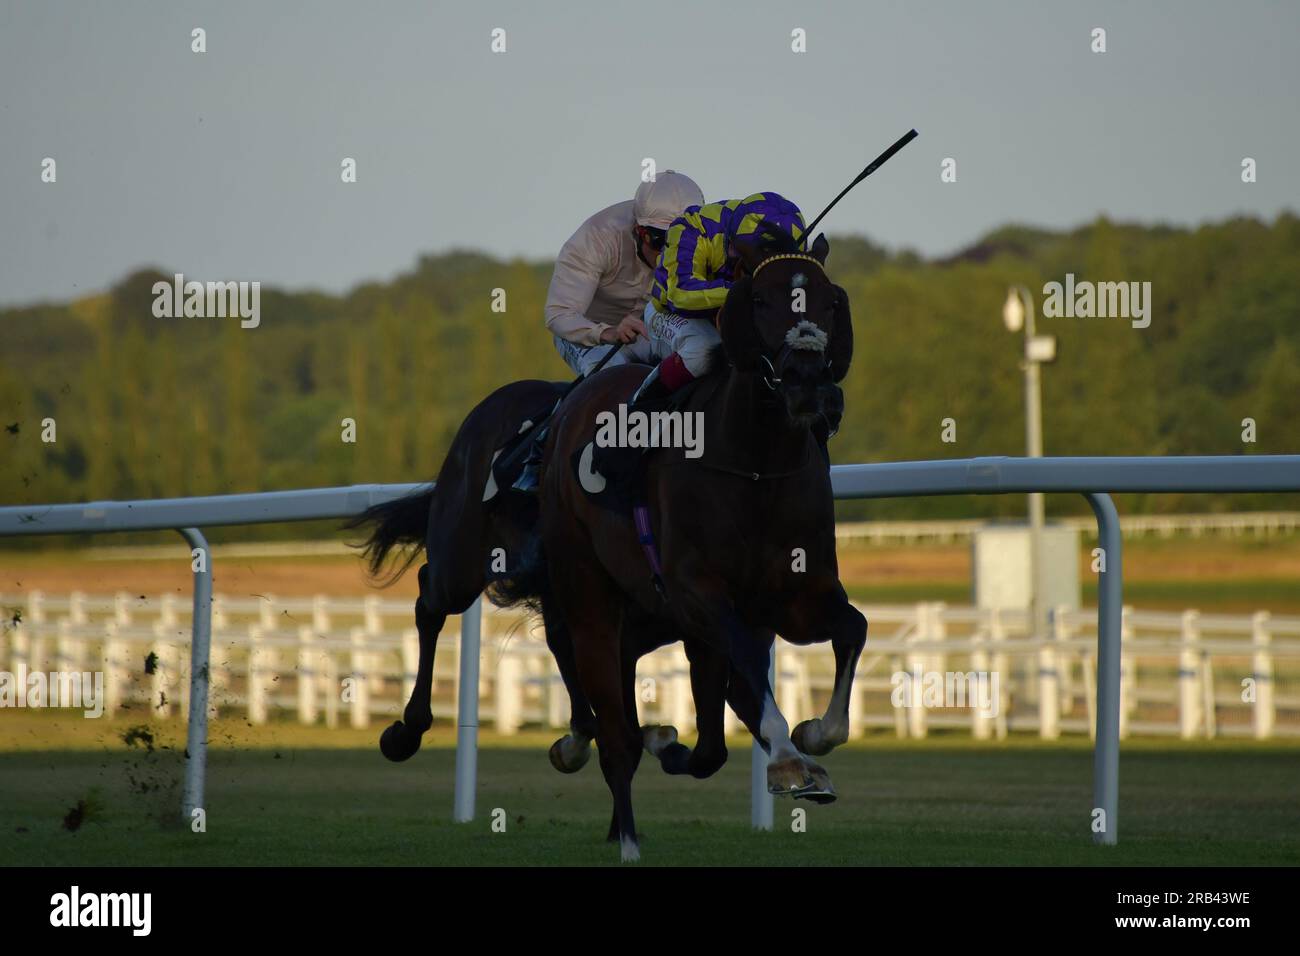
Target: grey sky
{"x": 225, "y": 165}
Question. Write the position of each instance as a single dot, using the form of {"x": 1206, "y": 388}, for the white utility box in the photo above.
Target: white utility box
{"x": 1000, "y": 567}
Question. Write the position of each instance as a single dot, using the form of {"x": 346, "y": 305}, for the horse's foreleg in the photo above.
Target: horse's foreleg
{"x": 740, "y": 695}
{"x": 788, "y": 771}
{"x": 710, "y": 670}
{"x": 848, "y": 635}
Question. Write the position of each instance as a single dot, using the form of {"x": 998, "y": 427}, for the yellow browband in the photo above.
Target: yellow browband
{"x": 786, "y": 255}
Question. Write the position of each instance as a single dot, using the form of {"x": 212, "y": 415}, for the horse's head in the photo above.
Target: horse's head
{"x": 786, "y": 322}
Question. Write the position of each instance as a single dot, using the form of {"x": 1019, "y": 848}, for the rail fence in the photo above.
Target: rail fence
{"x": 328, "y": 660}
{"x": 1096, "y": 479}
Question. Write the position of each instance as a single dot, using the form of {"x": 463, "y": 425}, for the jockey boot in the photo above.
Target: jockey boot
{"x": 530, "y": 478}
{"x": 615, "y": 462}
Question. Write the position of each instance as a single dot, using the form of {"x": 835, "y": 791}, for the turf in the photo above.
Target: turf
{"x": 282, "y": 794}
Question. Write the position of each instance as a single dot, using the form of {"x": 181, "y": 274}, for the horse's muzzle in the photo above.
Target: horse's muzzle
{"x": 809, "y": 393}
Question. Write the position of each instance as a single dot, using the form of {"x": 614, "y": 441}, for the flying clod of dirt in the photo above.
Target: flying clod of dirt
{"x": 87, "y": 808}
{"x": 138, "y": 736}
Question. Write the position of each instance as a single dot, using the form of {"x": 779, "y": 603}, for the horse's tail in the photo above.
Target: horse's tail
{"x": 401, "y": 523}
{"x": 526, "y": 583}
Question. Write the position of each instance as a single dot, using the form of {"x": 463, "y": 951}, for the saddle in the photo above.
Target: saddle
{"x": 508, "y": 460}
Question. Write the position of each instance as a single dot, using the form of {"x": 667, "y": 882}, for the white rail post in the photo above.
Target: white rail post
{"x": 897, "y": 665}
{"x": 1064, "y": 658}
{"x": 111, "y": 650}
{"x": 1264, "y": 714}
{"x": 330, "y": 687}
{"x": 374, "y": 622}
{"x": 266, "y": 612}
{"x": 320, "y": 615}
{"x": 159, "y": 705}
{"x": 998, "y": 634}
{"x": 762, "y": 807}
{"x": 1129, "y": 673}
{"x": 916, "y": 664}
{"x": 509, "y": 687}
{"x": 1049, "y": 700}
{"x": 306, "y": 676}
{"x": 196, "y": 748}
{"x": 1207, "y": 694}
{"x": 256, "y": 685}
{"x": 360, "y": 710}
{"x": 468, "y": 649}
{"x": 939, "y": 634}
{"x": 980, "y": 726}
{"x": 1189, "y": 676}
{"x": 77, "y": 607}
{"x": 63, "y": 655}
{"x": 269, "y": 662}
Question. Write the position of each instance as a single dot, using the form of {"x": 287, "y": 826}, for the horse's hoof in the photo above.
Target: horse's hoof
{"x": 822, "y": 790}
{"x": 816, "y": 796}
{"x": 787, "y": 777}
{"x": 657, "y": 737}
{"x": 703, "y": 764}
{"x": 567, "y": 756}
{"x": 675, "y": 759}
{"x": 398, "y": 742}
{"x": 629, "y": 850}
{"x": 810, "y": 737}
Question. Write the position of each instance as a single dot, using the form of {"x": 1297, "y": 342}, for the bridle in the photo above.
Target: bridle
{"x": 792, "y": 342}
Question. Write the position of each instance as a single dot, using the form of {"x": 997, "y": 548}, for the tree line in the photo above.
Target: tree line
{"x": 143, "y": 406}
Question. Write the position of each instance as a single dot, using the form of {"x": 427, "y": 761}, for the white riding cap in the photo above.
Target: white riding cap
{"x": 662, "y": 200}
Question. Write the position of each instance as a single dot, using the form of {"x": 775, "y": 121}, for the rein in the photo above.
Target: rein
{"x": 760, "y": 476}
{"x": 704, "y": 403}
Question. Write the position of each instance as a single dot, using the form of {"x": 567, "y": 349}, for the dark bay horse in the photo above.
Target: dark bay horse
{"x": 746, "y": 532}
{"x": 459, "y": 524}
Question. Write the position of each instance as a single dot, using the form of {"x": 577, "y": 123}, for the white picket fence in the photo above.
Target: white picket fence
{"x": 1257, "y": 524}
{"x": 329, "y": 658}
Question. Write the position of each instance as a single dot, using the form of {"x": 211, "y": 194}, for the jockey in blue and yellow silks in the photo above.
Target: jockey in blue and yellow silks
{"x": 694, "y": 273}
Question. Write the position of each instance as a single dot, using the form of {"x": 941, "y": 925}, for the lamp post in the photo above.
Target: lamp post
{"x": 1018, "y": 313}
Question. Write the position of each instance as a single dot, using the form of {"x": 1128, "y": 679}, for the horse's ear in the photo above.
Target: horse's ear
{"x": 821, "y": 248}
{"x": 840, "y": 350}
{"x": 739, "y": 337}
